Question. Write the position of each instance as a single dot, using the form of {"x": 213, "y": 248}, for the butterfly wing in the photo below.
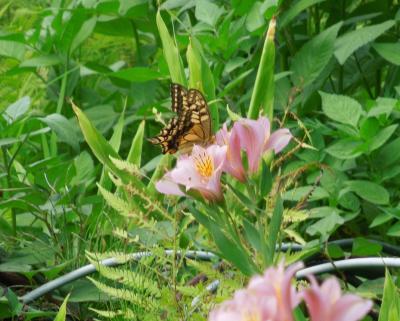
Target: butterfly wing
{"x": 168, "y": 137}
{"x": 191, "y": 126}
{"x": 200, "y": 122}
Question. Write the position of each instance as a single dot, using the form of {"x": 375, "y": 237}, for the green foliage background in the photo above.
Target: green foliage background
{"x": 331, "y": 74}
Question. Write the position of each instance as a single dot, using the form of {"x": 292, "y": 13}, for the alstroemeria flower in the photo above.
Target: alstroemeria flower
{"x": 200, "y": 171}
{"x": 233, "y": 164}
{"x": 255, "y": 138}
{"x": 325, "y": 302}
{"x": 270, "y": 297}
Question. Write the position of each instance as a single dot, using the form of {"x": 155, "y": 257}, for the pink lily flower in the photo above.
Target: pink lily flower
{"x": 200, "y": 171}
{"x": 270, "y": 297}
{"x": 255, "y": 138}
{"x": 326, "y": 302}
{"x": 233, "y": 164}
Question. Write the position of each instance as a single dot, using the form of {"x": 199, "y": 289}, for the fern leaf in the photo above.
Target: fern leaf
{"x": 115, "y": 202}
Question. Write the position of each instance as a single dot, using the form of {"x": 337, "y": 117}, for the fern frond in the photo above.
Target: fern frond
{"x": 116, "y": 203}
{"x": 120, "y": 257}
{"x": 146, "y": 303}
{"x": 127, "y": 277}
{"x": 204, "y": 268}
{"x": 127, "y": 167}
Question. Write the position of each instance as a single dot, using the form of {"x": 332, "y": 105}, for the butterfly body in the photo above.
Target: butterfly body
{"x": 191, "y": 126}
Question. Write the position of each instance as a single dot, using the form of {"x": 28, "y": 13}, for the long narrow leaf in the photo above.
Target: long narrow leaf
{"x": 135, "y": 153}
{"x": 273, "y": 230}
{"x": 171, "y": 53}
{"x": 263, "y": 92}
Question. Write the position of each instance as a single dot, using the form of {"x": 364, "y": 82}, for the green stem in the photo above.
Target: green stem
{"x": 367, "y": 87}
{"x": 60, "y": 102}
{"x": 6, "y": 194}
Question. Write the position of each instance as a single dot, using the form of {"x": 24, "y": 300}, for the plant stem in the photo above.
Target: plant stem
{"x": 367, "y": 87}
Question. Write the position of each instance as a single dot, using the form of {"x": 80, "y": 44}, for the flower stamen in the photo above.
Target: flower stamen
{"x": 204, "y": 164}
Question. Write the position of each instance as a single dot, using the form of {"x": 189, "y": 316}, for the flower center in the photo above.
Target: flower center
{"x": 204, "y": 165}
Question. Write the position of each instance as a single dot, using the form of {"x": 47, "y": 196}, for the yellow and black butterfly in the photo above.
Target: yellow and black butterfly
{"x": 191, "y": 126}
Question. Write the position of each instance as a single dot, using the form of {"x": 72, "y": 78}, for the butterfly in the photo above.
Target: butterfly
{"x": 191, "y": 126}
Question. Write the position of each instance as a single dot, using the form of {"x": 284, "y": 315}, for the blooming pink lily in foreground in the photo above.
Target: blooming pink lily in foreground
{"x": 325, "y": 302}
{"x": 200, "y": 171}
{"x": 272, "y": 297}
{"x": 255, "y": 138}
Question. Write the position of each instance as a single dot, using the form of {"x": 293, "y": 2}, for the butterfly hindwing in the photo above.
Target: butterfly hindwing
{"x": 191, "y": 126}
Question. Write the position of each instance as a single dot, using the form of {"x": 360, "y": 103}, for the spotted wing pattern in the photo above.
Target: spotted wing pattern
{"x": 191, "y": 126}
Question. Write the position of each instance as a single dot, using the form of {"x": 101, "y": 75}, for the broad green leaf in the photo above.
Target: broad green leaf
{"x": 306, "y": 65}
{"x": 135, "y": 153}
{"x": 389, "y": 51}
{"x": 347, "y": 44}
{"x": 42, "y": 61}
{"x": 12, "y": 49}
{"x": 363, "y": 247}
{"x": 17, "y": 109}
{"x": 84, "y": 32}
{"x": 294, "y": 10}
{"x": 394, "y": 230}
{"x": 369, "y": 191}
{"x": 313, "y": 193}
{"x": 381, "y": 219}
{"x": 255, "y": 18}
{"x": 208, "y": 12}
{"x": 136, "y": 74}
{"x": 340, "y": 108}
{"x": 171, "y": 53}
{"x": 64, "y": 129}
{"x": 262, "y": 97}
{"x": 390, "y": 307}
{"x": 382, "y": 136}
{"x": 326, "y": 225}
{"x": 388, "y": 155}
{"x": 346, "y": 149}
{"x": 62, "y": 312}
{"x": 274, "y": 228}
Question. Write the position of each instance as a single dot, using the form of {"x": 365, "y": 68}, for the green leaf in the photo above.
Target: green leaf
{"x": 363, "y": 247}
{"x": 232, "y": 251}
{"x": 326, "y": 225}
{"x": 382, "y": 136}
{"x": 208, "y": 12}
{"x": 369, "y": 191}
{"x": 299, "y": 193}
{"x": 381, "y": 219}
{"x": 394, "y": 230}
{"x": 265, "y": 180}
{"x": 62, "y": 312}
{"x": 389, "y": 51}
{"x": 306, "y": 65}
{"x": 42, "y": 61}
{"x": 98, "y": 144}
{"x": 135, "y": 153}
{"x": 345, "y": 149}
{"x": 390, "y": 307}
{"x": 274, "y": 228}
{"x": 347, "y": 44}
{"x": 136, "y": 74}
{"x": 262, "y": 97}
{"x": 295, "y": 9}
{"x": 64, "y": 129}
{"x": 342, "y": 109}
{"x": 389, "y": 154}
{"x": 84, "y": 33}
{"x": 12, "y": 49}
{"x": 171, "y": 53}
{"x": 17, "y": 109}
{"x": 201, "y": 77}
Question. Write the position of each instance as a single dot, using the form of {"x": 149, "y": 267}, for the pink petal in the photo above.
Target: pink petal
{"x": 166, "y": 186}
{"x": 351, "y": 308}
{"x": 278, "y": 140}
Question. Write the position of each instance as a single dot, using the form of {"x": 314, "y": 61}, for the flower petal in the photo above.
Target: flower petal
{"x": 278, "y": 140}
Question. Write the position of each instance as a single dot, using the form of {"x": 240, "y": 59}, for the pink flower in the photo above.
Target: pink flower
{"x": 326, "y": 303}
{"x": 255, "y": 138}
{"x": 233, "y": 164}
{"x": 270, "y": 297}
{"x": 200, "y": 171}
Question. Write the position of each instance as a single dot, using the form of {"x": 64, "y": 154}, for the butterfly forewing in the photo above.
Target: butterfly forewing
{"x": 191, "y": 126}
